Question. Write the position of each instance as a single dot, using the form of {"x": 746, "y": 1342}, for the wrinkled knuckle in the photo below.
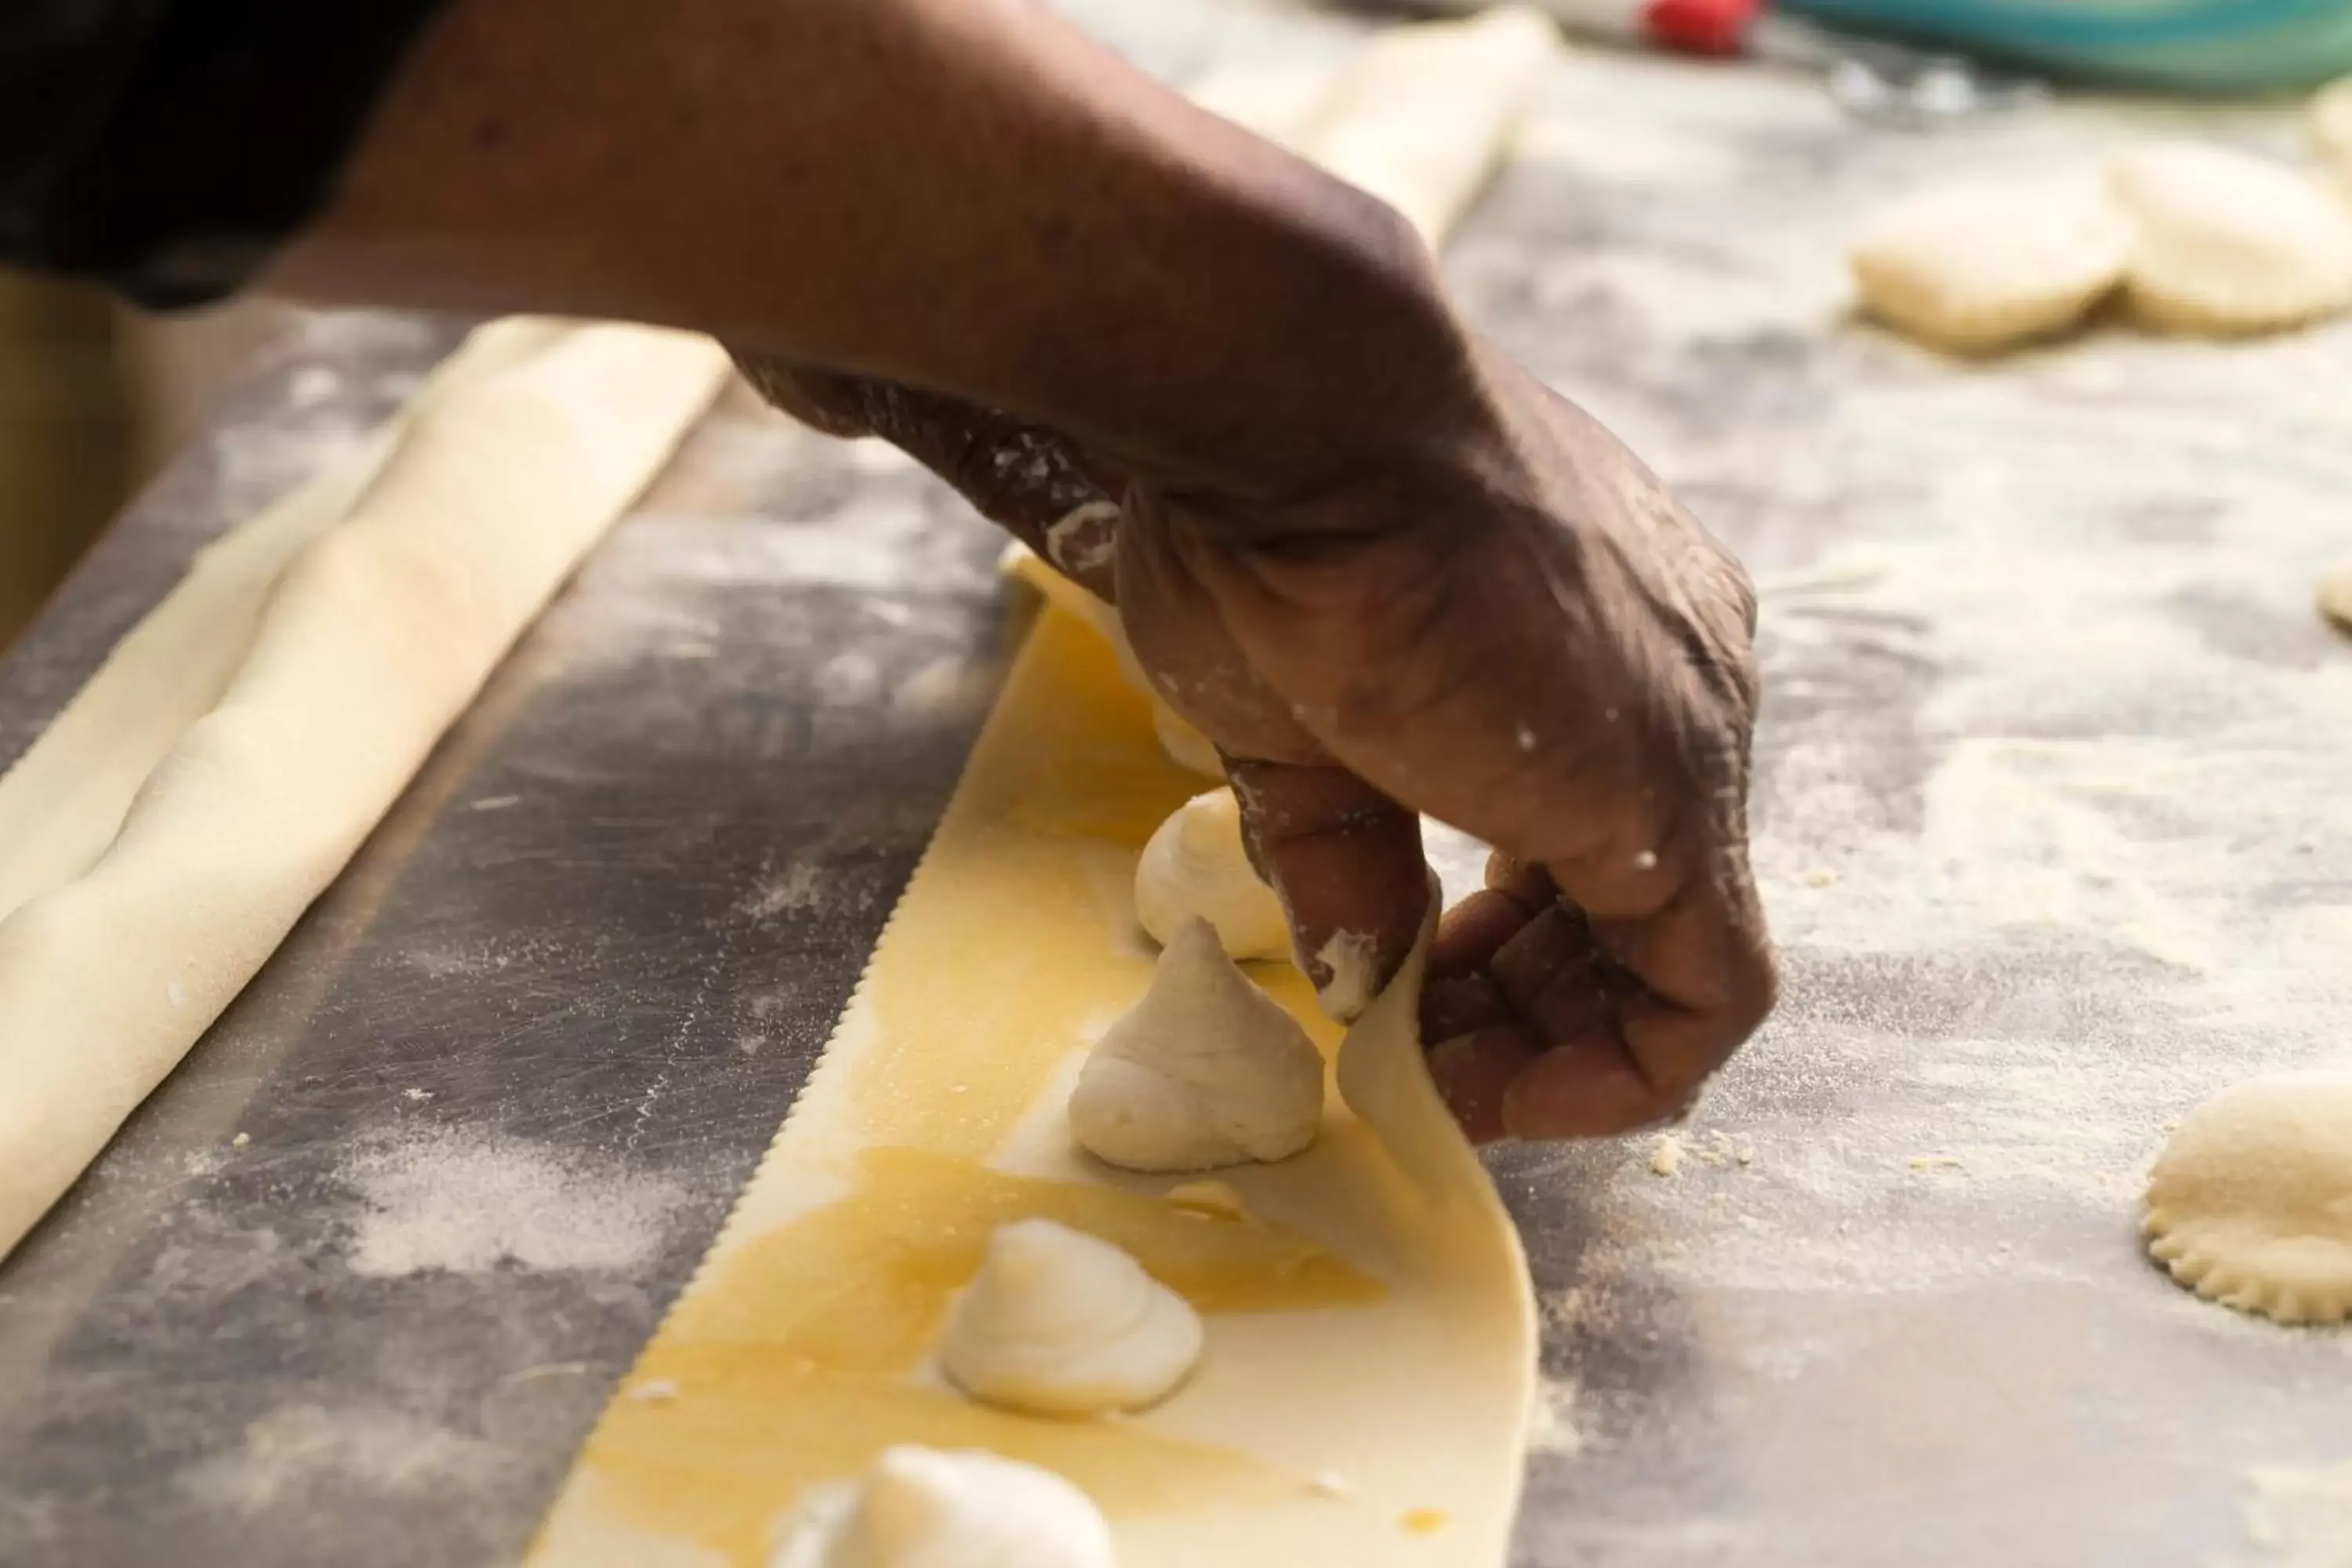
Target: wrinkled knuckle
{"x": 1727, "y": 673}
{"x": 1715, "y": 786}
{"x": 1525, "y": 882}
{"x": 1741, "y": 589}
{"x": 1749, "y": 678}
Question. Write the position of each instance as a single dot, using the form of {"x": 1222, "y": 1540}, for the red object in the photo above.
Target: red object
{"x": 1701, "y": 27}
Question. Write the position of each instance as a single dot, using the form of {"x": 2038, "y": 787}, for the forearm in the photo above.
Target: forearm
{"x": 965, "y": 195}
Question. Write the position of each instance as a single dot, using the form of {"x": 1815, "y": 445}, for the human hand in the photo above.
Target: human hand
{"x": 1527, "y": 639}
{"x": 1513, "y": 630}
{"x": 1384, "y": 571}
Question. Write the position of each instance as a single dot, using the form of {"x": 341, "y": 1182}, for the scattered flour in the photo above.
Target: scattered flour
{"x": 949, "y": 687}
{"x": 443, "y": 1199}
{"x": 258, "y": 466}
{"x": 848, "y": 680}
{"x": 1331, "y": 1484}
{"x": 800, "y": 888}
{"x": 2303, "y": 1515}
{"x": 313, "y": 384}
{"x": 301, "y": 1449}
{"x": 1717, "y": 1149}
{"x": 1551, "y": 1426}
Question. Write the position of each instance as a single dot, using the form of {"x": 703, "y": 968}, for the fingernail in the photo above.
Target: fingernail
{"x": 1351, "y": 962}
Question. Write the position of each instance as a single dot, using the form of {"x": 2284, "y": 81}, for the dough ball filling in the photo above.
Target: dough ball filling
{"x": 2251, "y": 1203}
{"x": 1194, "y": 866}
{"x": 1058, "y": 1323}
{"x": 1205, "y": 1071}
{"x": 930, "y": 1508}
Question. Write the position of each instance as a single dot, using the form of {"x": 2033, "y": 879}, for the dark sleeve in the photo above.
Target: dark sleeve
{"x": 165, "y": 147}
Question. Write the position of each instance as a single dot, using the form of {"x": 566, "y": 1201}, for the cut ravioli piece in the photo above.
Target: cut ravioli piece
{"x": 2229, "y": 243}
{"x": 2336, "y": 597}
{"x": 1982, "y": 267}
{"x": 2331, "y": 127}
{"x": 2251, "y": 1203}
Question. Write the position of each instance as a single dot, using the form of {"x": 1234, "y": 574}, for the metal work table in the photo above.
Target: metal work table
{"x": 2048, "y": 816}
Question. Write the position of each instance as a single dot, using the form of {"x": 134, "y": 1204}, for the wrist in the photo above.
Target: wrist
{"x": 1352, "y": 362}
{"x": 1433, "y": 452}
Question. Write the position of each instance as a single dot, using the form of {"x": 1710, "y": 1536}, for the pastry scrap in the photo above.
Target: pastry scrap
{"x": 930, "y": 1508}
{"x": 1977, "y": 268}
{"x": 1194, "y": 867}
{"x": 1059, "y": 1323}
{"x": 2228, "y": 242}
{"x": 1206, "y": 1070}
{"x": 2251, "y": 1203}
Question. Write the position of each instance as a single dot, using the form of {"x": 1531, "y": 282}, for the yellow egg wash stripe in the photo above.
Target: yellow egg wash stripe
{"x": 1364, "y": 1383}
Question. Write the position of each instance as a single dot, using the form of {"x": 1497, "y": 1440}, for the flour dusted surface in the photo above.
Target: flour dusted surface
{"x": 465, "y": 1202}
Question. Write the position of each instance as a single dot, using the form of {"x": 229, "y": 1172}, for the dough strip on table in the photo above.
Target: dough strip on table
{"x": 1424, "y": 114}
{"x": 63, "y": 802}
{"x": 288, "y": 709}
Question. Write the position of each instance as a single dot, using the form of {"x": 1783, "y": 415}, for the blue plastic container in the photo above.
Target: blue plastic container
{"x": 2208, "y": 45}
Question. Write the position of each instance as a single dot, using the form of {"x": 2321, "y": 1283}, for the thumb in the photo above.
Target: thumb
{"x": 1347, "y": 863}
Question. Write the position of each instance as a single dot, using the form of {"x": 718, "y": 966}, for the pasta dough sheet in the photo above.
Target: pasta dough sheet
{"x": 1363, "y": 1397}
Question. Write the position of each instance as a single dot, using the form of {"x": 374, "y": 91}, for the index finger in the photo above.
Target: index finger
{"x": 1347, "y": 862}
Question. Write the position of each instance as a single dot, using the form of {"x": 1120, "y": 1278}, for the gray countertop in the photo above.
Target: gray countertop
{"x": 2049, "y": 813}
